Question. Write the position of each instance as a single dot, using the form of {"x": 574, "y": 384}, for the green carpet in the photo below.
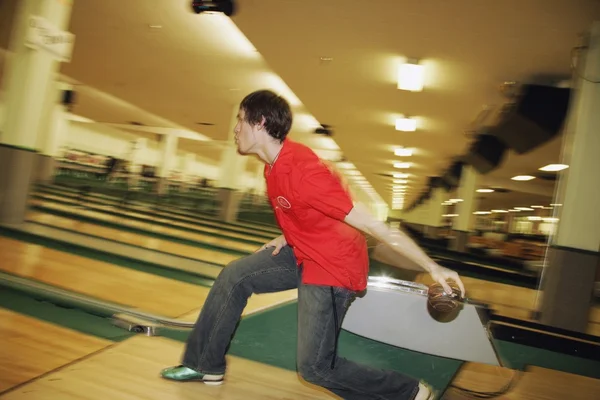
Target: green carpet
{"x": 67, "y": 317}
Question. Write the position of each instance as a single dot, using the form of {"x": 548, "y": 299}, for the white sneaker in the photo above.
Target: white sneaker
{"x": 425, "y": 392}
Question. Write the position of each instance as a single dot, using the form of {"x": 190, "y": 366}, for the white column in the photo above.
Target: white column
{"x": 436, "y": 209}
{"x": 30, "y": 72}
{"x": 579, "y": 225}
{"x": 233, "y": 164}
{"x": 31, "y": 64}
{"x": 53, "y": 134}
{"x": 168, "y": 154}
{"x": 463, "y": 223}
{"x": 572, "y": 261}
{"x": 188, "y": 167}
{"x": 466, "y": 192}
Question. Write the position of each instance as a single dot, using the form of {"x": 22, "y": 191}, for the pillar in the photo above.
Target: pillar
{"x": 463, "y": 222}
{"x": 433, "y": 218}
{"x": 573, "y": 257}
{"x": 38, "y": 43}
{"x": 167, "y": 158}
{"x": 53, "y": 132}
{"x": 231, "y": 173}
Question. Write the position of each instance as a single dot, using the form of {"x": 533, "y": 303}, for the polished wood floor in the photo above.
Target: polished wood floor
{"x": 147, "y": 242}
{"x": 130, "y": 370}
{"x": 149, "y": 216}
{"x": 30, "y": 348}
{"x": 149, "y": 226}
{"x": 135, "y": 289}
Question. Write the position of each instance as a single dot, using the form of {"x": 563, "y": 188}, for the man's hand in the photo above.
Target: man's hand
{"x": 278, "y": 243}
{"x": 441, "y": 274}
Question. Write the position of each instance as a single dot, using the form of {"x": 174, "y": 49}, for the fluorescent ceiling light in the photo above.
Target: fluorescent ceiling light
{"x": 554, "y": 167}
{"x": 555, "y": 205}
{"x": 411, "y": 77}
{"x": 524, "y": 208}
{"x": 450, "y": 215}
{"x": 397, "y": 175}
{"x": 522, "y": 178}
{"x": 406, "y": 124}
{"x": 482, "y": 212}
{"x": 400, "y": 181}
{"x": 456, "y": 200}
{"x": 485, "y": 190}
{"x": 401, "y": 165}
{"x": 499, "y": 211}
{"x": 402, "y": 152}
{"x": 537, "y": 206}
{"x": 513, "y": 210}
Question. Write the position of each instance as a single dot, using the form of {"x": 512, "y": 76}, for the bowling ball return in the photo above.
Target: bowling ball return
{"x": 399, "y": 313}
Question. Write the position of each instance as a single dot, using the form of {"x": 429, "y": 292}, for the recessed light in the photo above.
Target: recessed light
{"x": 522, "y": 178}
{"x": 401, "y": 165}
{"x": 411, "y": 77}
{"x": 406, "y": 124}
{"x": 554, "y": 167}
{"x": 485, "y": 190}
{"x": 403, "y": 152}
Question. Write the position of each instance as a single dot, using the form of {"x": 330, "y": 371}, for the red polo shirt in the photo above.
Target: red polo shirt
{"x": 310, "y": 205}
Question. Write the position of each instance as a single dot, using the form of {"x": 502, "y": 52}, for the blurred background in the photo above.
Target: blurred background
{"x": 472, "y": 126}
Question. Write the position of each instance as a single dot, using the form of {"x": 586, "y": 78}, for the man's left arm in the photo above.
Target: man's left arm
{"x": 360, "y": 218}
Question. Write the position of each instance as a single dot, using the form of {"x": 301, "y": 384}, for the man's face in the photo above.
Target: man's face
{"x": 246, "y": 135}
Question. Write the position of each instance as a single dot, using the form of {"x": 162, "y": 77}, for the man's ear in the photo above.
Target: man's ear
{"x": 262, "y": 123}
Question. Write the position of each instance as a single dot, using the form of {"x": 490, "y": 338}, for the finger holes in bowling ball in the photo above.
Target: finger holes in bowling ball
{"x": 443, "y": 307}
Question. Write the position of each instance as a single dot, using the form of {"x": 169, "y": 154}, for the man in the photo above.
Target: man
{"x": 321, "y": 252}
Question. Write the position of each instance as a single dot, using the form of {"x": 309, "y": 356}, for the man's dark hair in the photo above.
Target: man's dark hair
{"x": 275, "y": 109}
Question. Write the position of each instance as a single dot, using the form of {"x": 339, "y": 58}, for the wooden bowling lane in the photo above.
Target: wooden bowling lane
{"x": 148, "y": 242}
{"x": 150, "y": 227}
{"x": 245, "y": 228}
{"x": 134, "y": 289}
{"x": 510, "y": 301}
{"x": 130, "y": 370}
{"x": 150, "y": 216}
{"x": 31, "y": 347}
{"x": 533, "y": 384}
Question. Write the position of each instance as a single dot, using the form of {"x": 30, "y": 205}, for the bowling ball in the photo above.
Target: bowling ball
{"x": 441, "y": 301}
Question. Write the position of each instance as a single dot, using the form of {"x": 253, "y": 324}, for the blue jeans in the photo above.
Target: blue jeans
{"x": 317, "y": 361}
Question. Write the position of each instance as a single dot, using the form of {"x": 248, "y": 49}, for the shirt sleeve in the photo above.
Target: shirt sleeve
{"x": 322, "y": 189}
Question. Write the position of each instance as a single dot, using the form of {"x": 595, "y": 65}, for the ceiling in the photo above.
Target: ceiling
{"x": 164, "y": 66}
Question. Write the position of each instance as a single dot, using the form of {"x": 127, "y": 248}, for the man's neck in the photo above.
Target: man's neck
{"x": 271, "y": 151}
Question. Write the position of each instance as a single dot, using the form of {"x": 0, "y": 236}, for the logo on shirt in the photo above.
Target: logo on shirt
{"x": 283, "y": 202}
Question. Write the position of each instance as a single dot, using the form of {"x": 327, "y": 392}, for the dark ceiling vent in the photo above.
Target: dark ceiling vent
{"x": 324, "y": 129}
{"x": 205, "y": 123}
{"x": 501, "y": 190}
{"x": 136, "y": 123}
{"x": 547, "y": 176}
